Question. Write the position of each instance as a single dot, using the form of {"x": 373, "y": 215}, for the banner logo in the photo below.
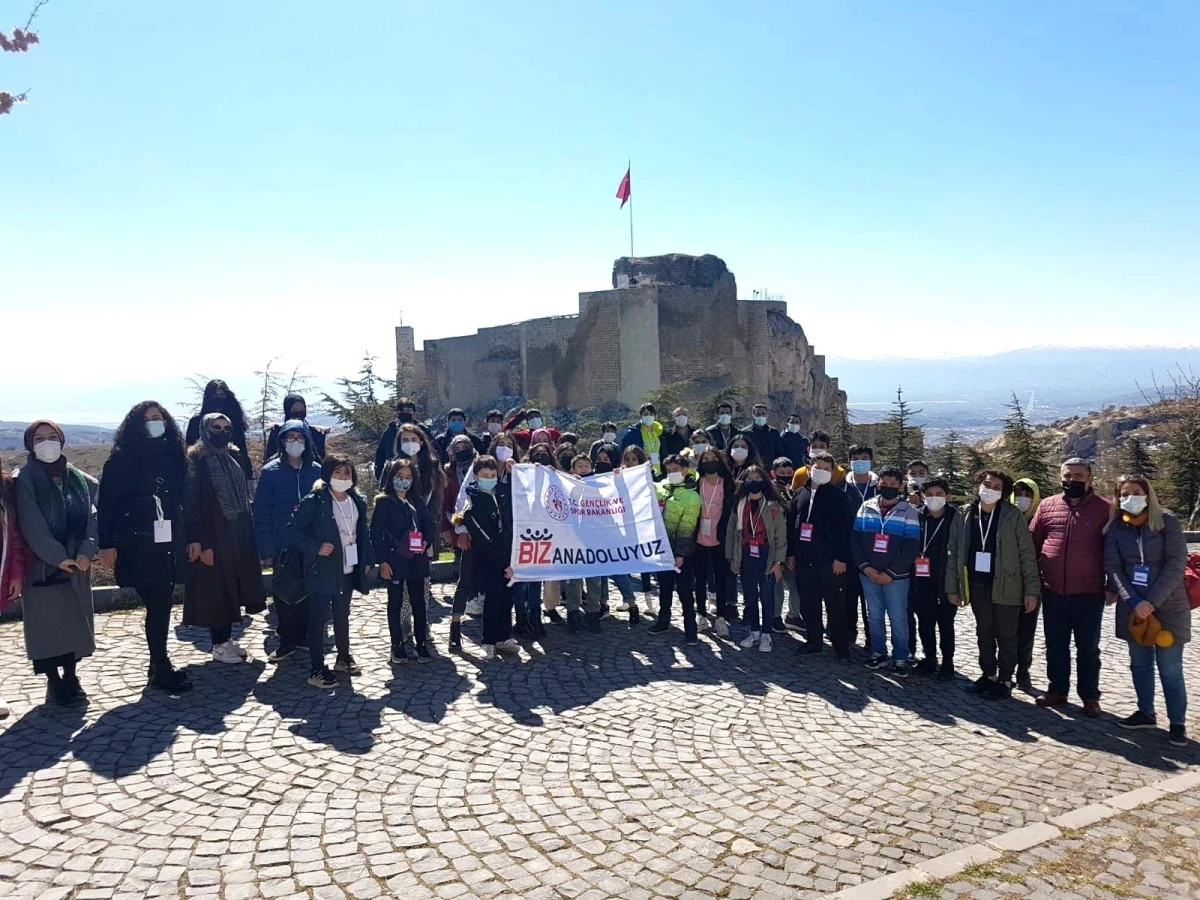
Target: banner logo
{"x": 534, "y": 548}
{"x": 556, "y": 503}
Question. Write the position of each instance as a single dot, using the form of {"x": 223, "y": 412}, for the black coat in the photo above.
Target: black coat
{"x": 488, "y": 518}
{"x": 312, "y": 525}
{"x": 391, "y": 523}
{"x": 794, "y": 447}
{"x": 126, "y": 512}
{"x": 766, "y": 442}
{"x": 674, "y": 442}
{"x": 832, "y": 519}
{"x": 935, "y": 542}
{"x": 720, "y": 439}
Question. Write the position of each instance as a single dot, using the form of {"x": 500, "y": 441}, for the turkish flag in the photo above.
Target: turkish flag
{"x": 623, "y": 190}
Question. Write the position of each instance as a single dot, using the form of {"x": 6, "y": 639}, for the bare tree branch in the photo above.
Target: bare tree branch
{"x": 33, "y": 15}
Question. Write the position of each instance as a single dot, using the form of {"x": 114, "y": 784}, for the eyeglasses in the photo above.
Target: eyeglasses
{"x": 226, "y": 430}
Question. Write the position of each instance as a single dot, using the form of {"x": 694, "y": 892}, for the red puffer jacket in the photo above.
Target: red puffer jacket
{"x": 1070, "y": 544}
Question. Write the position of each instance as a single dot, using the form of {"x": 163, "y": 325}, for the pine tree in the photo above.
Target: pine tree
{"x": 950, "y": 465}
{"x": 843, "y": 436}
{"x": 1025, "y": 454}
{"x": 366, "y": 404}
{"x": 1136, "y": 459}
{"x": 977, "y": 461}
{"x": 901, "y": 440}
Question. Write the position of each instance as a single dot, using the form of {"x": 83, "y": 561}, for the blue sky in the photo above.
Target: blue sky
{"x": 200, "y": 187}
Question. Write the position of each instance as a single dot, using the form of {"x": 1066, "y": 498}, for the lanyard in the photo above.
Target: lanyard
{"x": 812, "y": 501}
{"x": 345, "y": 520}
{"x": 158, "y": 515}
{"x": 863, "y": 491}
{"x": 883, "y": 518}
{"x": 929, "y": 540}
{"x": 1141, "y": 552}
{"x": 717, "y": 490}
{"x": 753, "y": 527}
{"x": 983, "y": 536}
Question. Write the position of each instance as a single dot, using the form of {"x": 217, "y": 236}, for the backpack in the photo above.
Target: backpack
{"x": 1191, "y": 580}
{"x": 287, "y": 579}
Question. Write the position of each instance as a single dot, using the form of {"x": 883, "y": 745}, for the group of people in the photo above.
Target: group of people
{"x": 808, "y": 540}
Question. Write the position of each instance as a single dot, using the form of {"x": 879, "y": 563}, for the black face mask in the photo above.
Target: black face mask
{"x": 464, "y": 456}
{"x": 404, "y": 417}
{"x": 220, "y": 439}
{"x": 709, "y": 467}
{"x": 783, "y": 480}
{"x": 1074, "y": 489}
{"x": 301, "y": 414}
{"x": 602, "y": 467}
{"x": 889, "y": 493}
{"x": 565, "y": 461}
{"x": 754, "y": 487}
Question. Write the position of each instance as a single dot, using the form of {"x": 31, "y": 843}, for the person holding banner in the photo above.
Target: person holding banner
{"x": 632, "y": 457}
{"x": 681, "y": 516}
{"x": 756, "y": 546}
{"x": 584, "y": 610}
{"x": 488, "y": 518}
{"x": 716, "y": 491}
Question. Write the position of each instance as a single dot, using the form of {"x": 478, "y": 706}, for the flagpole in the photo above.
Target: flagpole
{"x": 629, "y": 169}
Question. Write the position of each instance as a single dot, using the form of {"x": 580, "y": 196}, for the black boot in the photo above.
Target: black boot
{"x": 634, "y": 615}
{"x": 575, "y": 621}
{"x": 593, "y": 622}
{"x": 537, "y": 625}
{"x": 521, "y": 626}
{"x": 167, "y": 678}
{"x": 456, "y": 637}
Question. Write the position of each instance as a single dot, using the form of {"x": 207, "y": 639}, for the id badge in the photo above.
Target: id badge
{"x": 654, "y": 458}
{"x": 1141, "y": 576}
{"x": 162, "y": 531}
{"x": 983, "y": 563}
{"x": 351, "y": 551}
{"x": 416, "y": 542}
{"x": 706, "y": 527}
{"x": 921, "y": 567}
{"x": 881, "y": 543}
{"x": 806, "y": 531}
{"x": 755, "y": 551}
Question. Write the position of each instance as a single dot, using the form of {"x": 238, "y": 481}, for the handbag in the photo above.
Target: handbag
{"x": 287, "y": 579}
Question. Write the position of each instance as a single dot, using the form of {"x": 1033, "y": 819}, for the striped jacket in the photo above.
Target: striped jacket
{"x": 903, "y": 528}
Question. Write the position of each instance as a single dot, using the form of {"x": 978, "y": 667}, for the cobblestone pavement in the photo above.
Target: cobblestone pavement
{"x": 1153, "y": 852}
{"x": 594, "y": 766}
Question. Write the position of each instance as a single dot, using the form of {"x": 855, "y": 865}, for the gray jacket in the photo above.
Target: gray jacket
{"x": 1165, "y": 552}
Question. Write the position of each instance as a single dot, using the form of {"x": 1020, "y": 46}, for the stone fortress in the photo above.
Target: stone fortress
{"x": 668, "y": 319}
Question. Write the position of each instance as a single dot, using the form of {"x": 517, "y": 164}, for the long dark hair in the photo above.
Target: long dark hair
{"x": 230, "y": 407}
{"x": 131, "y": 433}
{"x": 429, "y": 465}
{"x": 722, "y": 465}
{"x": 546, "y": 452}
{"x": 510, "y": 442}
{"x": 768, "y": 491}
{"x": 752, "y": 457}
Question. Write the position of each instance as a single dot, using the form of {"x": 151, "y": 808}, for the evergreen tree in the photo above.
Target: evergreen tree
{"x": 976, "y": 461}
{"x": 950, "y": 465}
{"x": 1137, "y": 459}
{"x": 901, "y": 441}
{"x": 1025, "y": 454}
{"x": 843, "y": 435}
{"x": 366, "y": 404}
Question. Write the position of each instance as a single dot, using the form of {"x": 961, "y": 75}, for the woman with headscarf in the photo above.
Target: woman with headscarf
{"x": 56, "y": 513}
{"x": 224, "y": 574}
{"x": 218, "y": 398}
{"x": 140, "y": 513}
{"x": 12, "y": 554}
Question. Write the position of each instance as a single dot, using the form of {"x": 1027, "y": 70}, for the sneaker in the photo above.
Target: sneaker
{"x": 554, "y": 616}
{"x": 592, "y": 620}
{"x": 624, "y": 606}
{"x": 508, "y": 646}
{"x": 659, "y": 628}
{"x": 489, "y": 651}
{"x": 794, "y": 622}
{"x": 877, "y": 661}
{"x": 323, "y": 679}
{"x": 946, "y": 671}
{"x": 1178, "y": 736}
{"x": 1139, "y": 721}
{"x": 605, "y": 612}
{"x": 702, "y": 623}
{"x": 750, "y": 640}
{"x": 927, "y": 666}
{"x": 650, "y": 606}
{"x": 998, "y": 690}
{"x": 810, "y": 647}
{"x": 170, "y": 680}
{"x": 239, "y": 649}
{"x": 634, "y": 615}
{"x": 692, "y": 641}
{"x": 721, "y": 628}
{"x": 348, "y": 665}
{"x": 225, "y": 653}
{"x": 456, "y": 637}
{"x": 979, "y": 686}
{"x": 764, "y": 643}
{"x": 423, "y": 653}
{"x": 398, "y": 656}
{"x": 280, "y": 654}
{"x": 900, "y": 668}
{"x": 777, "y": 626}
{"x": 1050, "y": 699}
{"x": 475, "y": 606}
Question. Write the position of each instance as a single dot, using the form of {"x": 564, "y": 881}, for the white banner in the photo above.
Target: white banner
{"x": 566, "y": 527}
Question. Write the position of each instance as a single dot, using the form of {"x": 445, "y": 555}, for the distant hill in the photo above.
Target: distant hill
{"x": 12, "y": 435}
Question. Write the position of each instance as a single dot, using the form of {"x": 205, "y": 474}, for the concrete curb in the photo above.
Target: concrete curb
{"x": 950, "y": 864}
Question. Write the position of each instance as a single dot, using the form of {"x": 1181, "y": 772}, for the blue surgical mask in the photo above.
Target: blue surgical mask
{"x": 860, "y": 466}
{"x": 457, "y": 424}
{"x": 724, "y": 419}
{"x": 760, "y": 421}
{"x": 402, "y": 484}
{"x": 156, "y": 428}
{"x": 487, "y": 484}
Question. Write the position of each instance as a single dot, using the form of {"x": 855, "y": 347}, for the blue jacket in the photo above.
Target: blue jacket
{"x": 281, "y": 487}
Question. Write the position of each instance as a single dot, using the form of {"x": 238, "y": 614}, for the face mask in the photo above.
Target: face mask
{"x": 48, "y": 451}
{"x": 820, "y": 476}
{"x": 610, "y": 437}
{"x": 783, "y": 480}
{"x": 457, "y": 425}
{"x": 1074, "y": 489}
{"x": 465, "y": 455}
{"x": 739, "y": 454}
{"x": 410, "y": 448}
{"x": 564, "y": 460}
{"x": 487, "y": 484}
{"x": 220, "y": 439}
{"x": 860, "y": 466}
{"x": 341, "y": 485}
{"x": 760, "y": 421}
{"x": 647, "y": 421}
{"x": 404, "y": 416}
{"x": 793, "y": 427}
{"x": 156, "y": 428}
{"x": 933, "y": 504}
{"x": 1023, "y": 503}
{"x": 503, "y": 453}
{"x": 535, "y": 423}
{"x": 602, "y": 467}
{"x": 709, "y": 467}
{"x": 1134, "y": 504}
{"x": 918, "y": 480}
{"x": 681, "y": 421}
{"x": 724, "y": 419}
{"x": 699, "y": 449}
{"x": 402, "y": 484}
{"x": 754, "y": 487}
{"x": 674, "y": 478}
{"x": 889, "y": 493}
{"x": 493, "y": 427}
{"x": 294, "y": 449}
{"x": 812, "y": 450}
{"x": 988, "y": 496}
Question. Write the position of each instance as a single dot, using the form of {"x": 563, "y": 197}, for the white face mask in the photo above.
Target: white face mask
{"x": 681, "y": 421}
{"x": 793, "y": 427}
{"x": 535, "y": 423}
{"x": 295, "y": 449}
{"x": 933, "y": 504}
{"x": 674, "y": 478}
{"x": 493, "y": 427}
{"x": 504, "y": 454}
{"x": 647, "y": 421}
{"x": 610, "y": 437}
{"x": 918, "y": 480}
{"x": 410, "y": 448}
{"x": 156, "y": 428}
{"x": 739, "y": 454}
{"x": 760, "y": 421}
{"x": 1134, "y": 504}
{"x": 341, "y": 485}
{"x": 48, "y": 451}
{"x": 1023, "y": 503}
{"x": 698, "y": 450}
{"x": 988, "y": 496}
{"x": 820, "y": 476}
{"x": 724, "y": 419}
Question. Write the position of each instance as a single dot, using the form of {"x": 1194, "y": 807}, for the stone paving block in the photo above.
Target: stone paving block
{"x": 1024, "y": 838}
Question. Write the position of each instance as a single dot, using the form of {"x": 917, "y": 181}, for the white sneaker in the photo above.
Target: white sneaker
{"x": 4, "y": 710}
{"x": 702, "y": 623}
{"x": 508, "y": 646}
{"x": 721, "y": 628}
{"x": 238, "y": 649}
{"x": 751, "y": 639}
{"x": 489, "y": 651}
{"x": 622, "y": 607}
{"x": 226, "y": 653}
{"x": 651, "y": 606}
{"x": 764, "y": 644}
{"x": 475, "y": 606}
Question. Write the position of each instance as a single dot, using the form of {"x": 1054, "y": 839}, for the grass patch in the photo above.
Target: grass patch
{"x": 989, "y": 872}
{"x": 929, "y": 889}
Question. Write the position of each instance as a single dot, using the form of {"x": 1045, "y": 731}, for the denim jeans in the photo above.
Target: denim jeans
{"x": 528, "y": 598}
{"x": 793, "y": 596}
{"x": 573, "y": 594}
{"x": 890, "y": 600}
{"x": 756, "y": 591}
{"x": 626, "y": 585}
{"x": 1169, "y": 660}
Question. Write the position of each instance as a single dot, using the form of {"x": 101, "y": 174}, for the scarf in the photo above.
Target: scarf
{"x": 66, "y": 504}
{"x": 1136, "y": 521}
{"x": 226, "y": 475}
{"x": 57, "y": 467}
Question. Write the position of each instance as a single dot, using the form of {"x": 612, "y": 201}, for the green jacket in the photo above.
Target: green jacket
{"x": 1015, "y": 567}
{"x": 681, "y": 514}
{"x": 776, "y": 520}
